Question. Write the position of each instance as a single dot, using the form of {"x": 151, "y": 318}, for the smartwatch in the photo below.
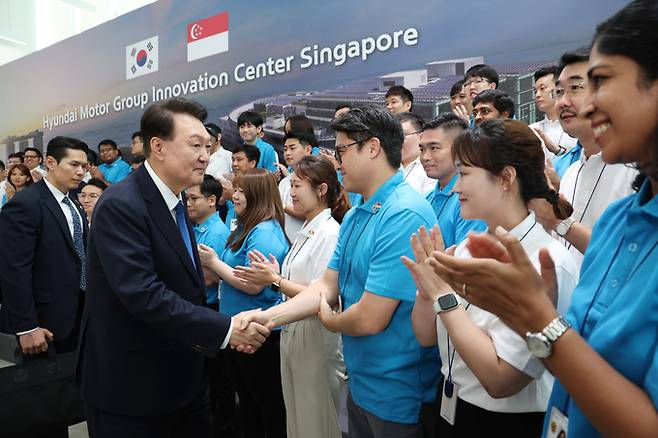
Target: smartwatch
{"x": 446, "y": 303}
{"x": 563, "y": 227}
{"x": 276, "y": 284}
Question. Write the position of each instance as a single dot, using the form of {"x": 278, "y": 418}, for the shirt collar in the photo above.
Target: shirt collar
{"x": 411, "y": 165}
{"x": 383, "y": 192}
{"x": 212, "y": 220}
{"x": 310, "y": 228}
{"x": 169, "y": 197}
{"x": 447, "y": 190}
{"x": 59, "y": 196}
{"x": 522, "y": 229}
{"x": 645, "y": 201}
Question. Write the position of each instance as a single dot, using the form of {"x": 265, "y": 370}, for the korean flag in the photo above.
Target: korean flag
{"x": 142, "y": 58}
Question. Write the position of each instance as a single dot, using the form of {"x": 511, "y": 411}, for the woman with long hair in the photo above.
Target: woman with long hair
{"x": 19, "y": 178}
{"x": 311, "y": 360}
{"x": 491, "y": 380}
{"x": 257, "y": 377}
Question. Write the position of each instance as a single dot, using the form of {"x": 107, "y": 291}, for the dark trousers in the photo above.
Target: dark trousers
{"x": 192, "y": 420}
{"x": 257, "y": 380}
{"x": 471, "y": 420}
{"x": 222, "y": 400}
{"x": 364, "y": 424}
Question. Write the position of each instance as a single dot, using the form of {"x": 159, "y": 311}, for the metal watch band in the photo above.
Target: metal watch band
{"x": 556, "y": 328}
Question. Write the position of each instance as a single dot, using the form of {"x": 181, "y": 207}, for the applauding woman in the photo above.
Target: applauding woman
{"x": 491, "y": 380}
{"x": 257, "y": 377}
{"x": 311, "y": 360}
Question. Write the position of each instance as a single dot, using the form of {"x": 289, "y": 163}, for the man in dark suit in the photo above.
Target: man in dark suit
{"x": 145, "y": 329}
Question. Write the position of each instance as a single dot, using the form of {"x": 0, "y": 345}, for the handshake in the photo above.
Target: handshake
{"x": 250, "y": 330}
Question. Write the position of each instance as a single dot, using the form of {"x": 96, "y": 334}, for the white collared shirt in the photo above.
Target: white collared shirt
{"x": 553, "y": 130}
{"x": 59, "y": 197}
{"x": 219, "y": 163}
{"x": 508, "y": 344}
{"x": 312, "y": 249}
{"x": 171, "y": 200}
{"x": 591, "y": 185}
{"x": 292, "y": 224}
{"x": 415, "y": 176}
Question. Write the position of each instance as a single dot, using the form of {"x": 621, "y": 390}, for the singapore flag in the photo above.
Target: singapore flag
{"x": 207, "y": 37}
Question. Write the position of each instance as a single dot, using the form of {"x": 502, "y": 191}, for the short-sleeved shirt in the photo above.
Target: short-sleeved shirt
{"x": 553, "y": 130}
{"x": 509, "y": 346}
{"x": 213, "y": 233}
{"x": 390, "y": 373}
{"x": 268, "y": 238}
{"x": 293, "y": 225}
{"x": 115, "y": 171}
{"x": 415, "y": 176}
{"x": 615, "y": 306}
{"x": 562, "y": 162}
{"x": 445, "y": 202}
{"x": 219, "y": 163}
{"x": 230, "y": 220}
{"x": 267, "y": 155}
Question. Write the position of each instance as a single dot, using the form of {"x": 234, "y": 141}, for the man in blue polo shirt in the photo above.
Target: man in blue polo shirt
{"x": 113, "y": 169}
{"x": 436, "y": 157}
{"x": 250, "y": 125}
{"x": 244, "y": 158}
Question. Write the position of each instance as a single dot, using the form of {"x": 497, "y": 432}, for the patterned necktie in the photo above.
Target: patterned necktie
{"x": 78, "y": 242}
{"x": 184, "y": 232}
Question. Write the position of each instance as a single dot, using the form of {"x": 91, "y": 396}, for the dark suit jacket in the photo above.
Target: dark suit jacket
{"x": 144, "y": 330}
{"x": 39, "y": 268}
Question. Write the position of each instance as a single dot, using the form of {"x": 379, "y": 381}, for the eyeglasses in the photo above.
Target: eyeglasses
{"x": 340, "y": 149}
{"x": 82, "y": 196}
{"x": 411, "y": 133}
{"x": 193, "y": 199}
{"x": 476, "y": 81}
{"x": 570, "y": 90}
{"x": 482, "y": 110}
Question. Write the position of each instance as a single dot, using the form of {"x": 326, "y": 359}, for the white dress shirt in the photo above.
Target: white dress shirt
{"x": 553, "y": 130}
{"x": 171, "y": 200}
{"x": 292, "y": 224}
{"x": 509, "y": 346}
{"x": 415, "y": 176}
{"x": 219, "y": 163}
{"x": 590, "y": 185}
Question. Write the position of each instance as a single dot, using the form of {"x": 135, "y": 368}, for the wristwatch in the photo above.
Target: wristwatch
{"x": 563, "y": 227}
{"x": 276, "y": 284}
{"x": 445, "y": 303}
{"x": 541, "y": 344}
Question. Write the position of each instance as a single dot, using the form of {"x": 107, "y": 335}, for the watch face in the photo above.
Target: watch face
{"x": 447, "y": 301}
{"x": 537, "y": 345}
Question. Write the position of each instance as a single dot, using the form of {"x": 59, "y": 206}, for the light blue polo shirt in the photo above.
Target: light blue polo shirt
{"x": 267, "y": 155}
{"x": 615, "y": 305}
{"x": 268, "y": 238}
{"x": 390, "y": 373}
{"x": 115, "y": 171}
{"x": 230, "y": 214}
{"x": 213, "y": 233}
{"x": 562, "y": 162}
{"x": 445, "y": 202}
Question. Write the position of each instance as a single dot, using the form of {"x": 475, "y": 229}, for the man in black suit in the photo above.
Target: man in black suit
{"x": 43, "y": 232}
{"x": 145, "y": 330}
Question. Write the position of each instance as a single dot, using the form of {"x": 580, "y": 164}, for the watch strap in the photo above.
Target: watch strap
{"x": 556, "y": 328}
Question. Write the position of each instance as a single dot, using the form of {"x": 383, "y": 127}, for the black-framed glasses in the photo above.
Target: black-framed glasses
{"x": 476, "y": 81}
{"x": 342, "y": 148}
{"x": 412, "y": 133}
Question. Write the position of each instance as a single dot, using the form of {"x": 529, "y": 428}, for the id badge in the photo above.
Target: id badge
{"x": 234, "y": 225}
{"x": 449, "y": 401}
{"x": 558, "y": 426}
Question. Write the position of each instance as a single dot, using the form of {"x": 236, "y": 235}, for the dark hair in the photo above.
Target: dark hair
{"x": 211, "y": 187}
{"x": 299, "y": 123}
{"x": 250, "y": 117}
{"x": 213, "y": 130}
{"x": 135, "y": 135}
{"x": 341, "y": 106}
{"x": 545, "y": 71}
{"x": 500, "y": 100}
{"x": 399, "y": 90}
{"x": 495, "y": 144}
{"x": 18, "y": 155}
{"x": 318, "y": 170}
{"x": 361, "y": 124}
{"x": 24, "y": 170}
{"x": 571, "y": 57}
{"x": 158, "y": 120}
{"x": 412, "y": 118}
{"x": 252, "y": 152}
{"x": 446, "y": 121}
{"x": 482, "y": 71}
{"x": 92, "y": 157}
{"x": 96, "y": 183}
{"x": 35, "y": 150}
{"x": 137, "y": 159}
{"x": 263, "y": 203}
{"x": 108, "y": 142}
{"x": 457, "y": 88}
{"x": 58, "y": 147}
{"x": 2, "y": 165}
{"x": 633, "y": 33}
{"x": 305, "y": 138}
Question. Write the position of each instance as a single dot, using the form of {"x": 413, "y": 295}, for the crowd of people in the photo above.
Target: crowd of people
{"x": 462, "y": 276}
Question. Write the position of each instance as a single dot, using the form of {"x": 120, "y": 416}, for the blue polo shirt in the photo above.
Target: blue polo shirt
{"x": 268, "y": 238}
{"x": 115, "y": 171}
{"x": 390, "y": 373}
{"x": 445, "y": 202}
{"x": 615, "y": 305}
{"x": 230, "y": 214}
{"x": 267, "y": 155}
{"x": 562, "y": 162}
{"x": 213, "y": 233}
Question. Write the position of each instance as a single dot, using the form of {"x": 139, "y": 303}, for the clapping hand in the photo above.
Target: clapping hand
{"x": 260, "y": 271}
{"x": 207, "y": 255}
{"x": 461, "y": 111}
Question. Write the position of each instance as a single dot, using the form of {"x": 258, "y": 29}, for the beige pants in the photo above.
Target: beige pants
{"x": 312, "y": 370}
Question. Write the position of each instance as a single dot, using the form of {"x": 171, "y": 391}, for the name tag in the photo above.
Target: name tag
{"x": 558, "y": 425}
{"x": 449, "y": 401}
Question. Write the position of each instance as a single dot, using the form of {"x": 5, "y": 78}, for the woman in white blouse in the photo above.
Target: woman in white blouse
{"x": 311, "y": 358}
{"x": 491, "y": 380}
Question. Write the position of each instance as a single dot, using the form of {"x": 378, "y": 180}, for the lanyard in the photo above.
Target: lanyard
{"x": 591, "y": 195}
